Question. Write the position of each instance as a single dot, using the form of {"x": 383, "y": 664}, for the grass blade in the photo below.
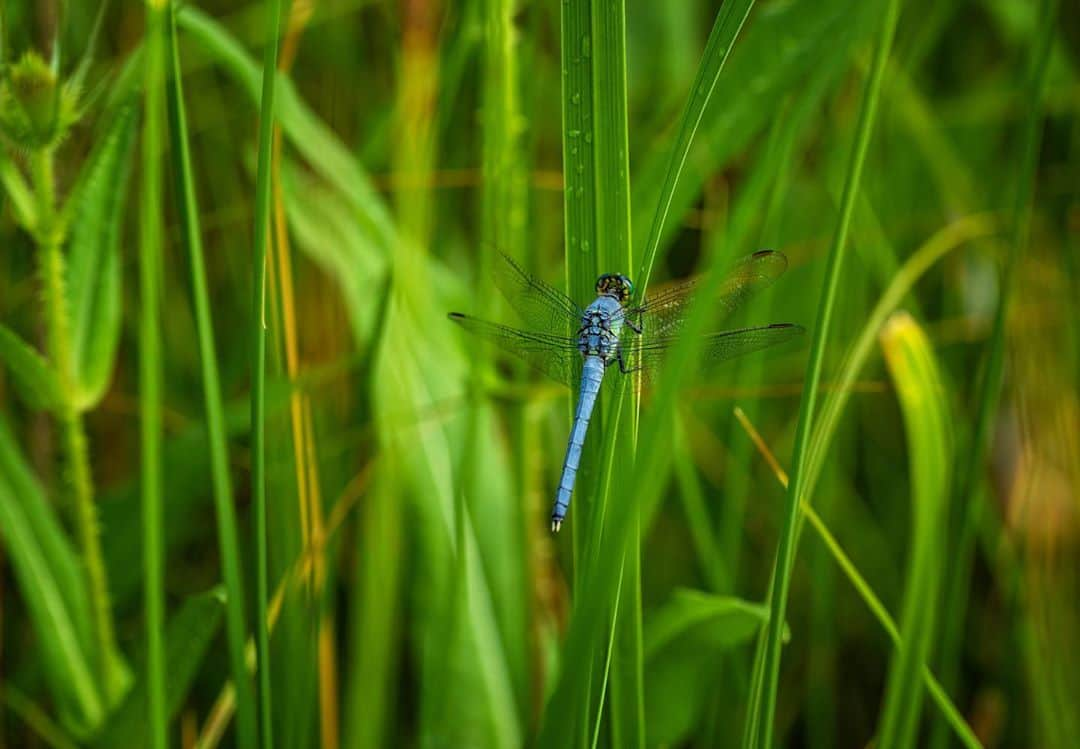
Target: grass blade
{"x": 52, "y": 585}
{"x": 613, "y": 236}
{"x": 191, "y": 232}
{"x": 258, "y": 368}
{"x": 587, "y": 627}
{"x": 150, "y": 365}
{"x": 922, "y": 398}
{"x": 729, "y": 21}
{"x": 761, "y": 719}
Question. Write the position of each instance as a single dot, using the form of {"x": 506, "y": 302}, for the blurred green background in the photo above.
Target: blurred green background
{"x": 415, "y": 595}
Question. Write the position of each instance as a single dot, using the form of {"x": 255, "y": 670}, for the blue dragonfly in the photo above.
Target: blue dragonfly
{"x": 572, "y": 344}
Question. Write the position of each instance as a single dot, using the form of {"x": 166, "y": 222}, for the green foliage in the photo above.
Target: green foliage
{"x": 51, "y": 583}
{"x": 189, "y": 635}
{"x": 365, "y": 492}
{"x": 685, "y": 640}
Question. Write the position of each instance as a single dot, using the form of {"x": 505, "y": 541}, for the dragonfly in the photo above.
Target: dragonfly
{"x": 578, "y": 345}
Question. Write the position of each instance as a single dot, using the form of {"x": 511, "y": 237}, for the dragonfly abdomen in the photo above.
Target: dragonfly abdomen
{"x": 592, "y": 374}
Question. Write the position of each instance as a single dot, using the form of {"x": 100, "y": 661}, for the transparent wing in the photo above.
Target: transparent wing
{"x": 716, "y": 347}
{"x": 553, "y": 355}
{"x": 663, "y": 313}
{"x": 541, "y": 306}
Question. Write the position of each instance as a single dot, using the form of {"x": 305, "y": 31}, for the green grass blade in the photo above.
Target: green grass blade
{"x": 150, "y": 366}
{"x": 729, "y": 21}
{"x": 948, "y": 239}
{"x": 52, "y": 585}
{"x": 618, "y": 423}
{"x": 258, "y": 369}
{"x": 228, "y": 544}
{"x": 774, "y": 57}
{"x": 948, "y": 710}
{"x": 922, "y": 395}
{"x": 312, "y": 138}
{"x": 587, "y": 628}
{"x": 761, "y": 720}
{"x": 502, "y": 527}
{"x": 580, "y": 246}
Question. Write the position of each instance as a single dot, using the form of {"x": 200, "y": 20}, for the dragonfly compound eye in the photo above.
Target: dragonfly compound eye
{"x": 615, "y": 285}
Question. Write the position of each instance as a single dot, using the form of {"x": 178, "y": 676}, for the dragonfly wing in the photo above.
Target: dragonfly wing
{"x": 555, "y": 356}
{"x": 540, "y": 305}
{"x": 716, "y": 348}
{"x": 663, "y": 313}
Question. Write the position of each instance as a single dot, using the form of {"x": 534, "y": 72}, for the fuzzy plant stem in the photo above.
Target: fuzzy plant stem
{"x": 50, "y": 239}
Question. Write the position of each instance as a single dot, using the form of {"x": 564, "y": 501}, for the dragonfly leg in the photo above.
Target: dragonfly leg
{"x": 634, "y": 326}
{"x": 622, "y": 364}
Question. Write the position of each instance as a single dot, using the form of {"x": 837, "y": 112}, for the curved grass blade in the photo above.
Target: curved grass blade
{"x": 919, "y": 385}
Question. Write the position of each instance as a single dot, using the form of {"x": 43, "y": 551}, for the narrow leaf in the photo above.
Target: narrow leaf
{"x": 96, "y": 218}
{"x": 31, "y": 537}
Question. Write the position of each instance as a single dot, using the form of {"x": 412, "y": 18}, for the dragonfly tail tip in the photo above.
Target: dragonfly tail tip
{"x": 556, "y": 523}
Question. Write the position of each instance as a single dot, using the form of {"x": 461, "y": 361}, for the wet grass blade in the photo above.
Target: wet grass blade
{"x": 191, "y": 233}
{"x": 610, "y": 141}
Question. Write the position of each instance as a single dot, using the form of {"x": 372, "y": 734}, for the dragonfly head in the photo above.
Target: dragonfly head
{"x": 615, "y": 285}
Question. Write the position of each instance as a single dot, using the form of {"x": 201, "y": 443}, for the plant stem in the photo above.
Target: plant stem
{"x": 49, "y": 235}
{"x": 258, "y": 367}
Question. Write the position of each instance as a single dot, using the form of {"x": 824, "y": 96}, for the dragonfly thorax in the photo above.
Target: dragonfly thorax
{"x": 601, "y": 326}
